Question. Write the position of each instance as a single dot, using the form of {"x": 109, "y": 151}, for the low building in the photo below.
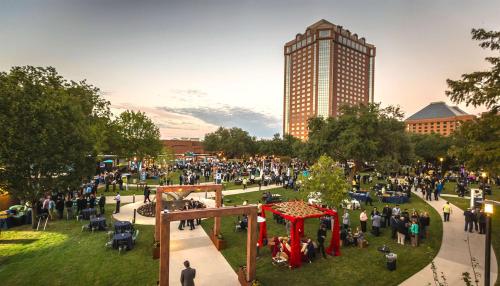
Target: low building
{"x": 185, "y": 147}
{"x": 437, "y": 117}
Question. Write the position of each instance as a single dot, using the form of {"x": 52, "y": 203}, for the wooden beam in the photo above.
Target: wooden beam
{"x": 218, "y": 204}
{"x": 158, "y": 206}
{"x": 193, "y": 188}
{"x": 251, "y": 246}
{"x": 210, "y": 212}
{"x": 164, "y": 251}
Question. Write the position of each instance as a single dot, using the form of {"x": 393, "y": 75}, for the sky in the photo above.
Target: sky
{"x": 195, "y": 65}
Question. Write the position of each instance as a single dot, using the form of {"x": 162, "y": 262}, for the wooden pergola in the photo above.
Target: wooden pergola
{"x": 167, "y": 217}
{"x": 180, "y": 188}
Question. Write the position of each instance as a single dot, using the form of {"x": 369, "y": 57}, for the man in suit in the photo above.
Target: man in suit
{"x": 188, "y": 275}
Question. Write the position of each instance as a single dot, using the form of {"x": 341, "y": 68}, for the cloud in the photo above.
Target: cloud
{"x": 256, "y": 123}
{"x": 171, "y": 124}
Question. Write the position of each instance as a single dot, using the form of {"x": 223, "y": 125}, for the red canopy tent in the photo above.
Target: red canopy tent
{"x": 296, "y": 212}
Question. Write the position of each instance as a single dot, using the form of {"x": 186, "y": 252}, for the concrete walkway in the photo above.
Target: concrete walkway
{"x": 193, "y": 245}
{"x": 453, "y": 258}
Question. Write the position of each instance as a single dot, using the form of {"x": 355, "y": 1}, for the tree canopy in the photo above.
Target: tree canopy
{"x": 48, "y": 132}
{"x": 363, "y": 133}
{"x": 481, "y": 88}
{"x": 326, "y": 178}
{"x": 477, "y": 143}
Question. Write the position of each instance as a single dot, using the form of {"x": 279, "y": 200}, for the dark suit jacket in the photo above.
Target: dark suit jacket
{"x": 187, "y": 276}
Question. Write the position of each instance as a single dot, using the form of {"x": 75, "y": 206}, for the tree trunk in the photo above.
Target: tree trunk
{"x": 34, "y": 213}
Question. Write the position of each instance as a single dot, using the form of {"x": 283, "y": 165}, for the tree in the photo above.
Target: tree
{"x": 364, "y": 133}
{"x": 430, "y": 147}
{"x": 234, "y": 142}
{"x": 477, "y": 144}
{"x": 137, "y": 135}
{"x": 48, "y": 131}
{"x": 480, "y": 88}
{"x": 326, "y": 178}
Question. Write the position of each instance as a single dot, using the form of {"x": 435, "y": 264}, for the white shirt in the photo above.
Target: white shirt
{"x": 117, "y": 198}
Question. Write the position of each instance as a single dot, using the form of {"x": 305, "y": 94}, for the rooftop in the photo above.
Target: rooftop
{"x": 437, "y": 110}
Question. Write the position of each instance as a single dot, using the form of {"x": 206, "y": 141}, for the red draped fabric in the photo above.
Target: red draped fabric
{"x": 295, "y": 258}
{"x": 262, "y": 230}
{"x": 297, "y": 232}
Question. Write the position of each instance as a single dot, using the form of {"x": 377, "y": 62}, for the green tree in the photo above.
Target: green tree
{"x": 137, "y": 135}
{"x": 364, "y": 133}
{"x": 48, "y": 132}
{"x": 477, "y": 144}
{"x": 234, "y": 142}
{"x": 482, "y": 87}
{"x": 326, "y": 178}
{"x": 430, "y": 147}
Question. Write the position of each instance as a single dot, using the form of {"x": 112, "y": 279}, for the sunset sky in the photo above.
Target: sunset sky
{"x": 195, "y": 65}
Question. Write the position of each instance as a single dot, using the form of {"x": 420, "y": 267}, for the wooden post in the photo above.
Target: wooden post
{"x": 158, "y": 213}
{"x": 164, "y": 249}
{"x": 218, "y": 204}
{"x": 251, "y": 245}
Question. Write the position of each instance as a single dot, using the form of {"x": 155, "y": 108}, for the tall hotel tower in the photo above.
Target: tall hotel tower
{"x": 326, "y": 67}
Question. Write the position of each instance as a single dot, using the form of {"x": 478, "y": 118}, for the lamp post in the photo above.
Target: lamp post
{"x": 488, "y": 209}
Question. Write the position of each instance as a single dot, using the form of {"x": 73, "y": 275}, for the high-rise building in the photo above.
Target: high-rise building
{"x": 326, "y": 67}
{"x": 437, "y": 117}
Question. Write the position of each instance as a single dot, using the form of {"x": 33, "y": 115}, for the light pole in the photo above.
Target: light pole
{"x": 488, "y": 209}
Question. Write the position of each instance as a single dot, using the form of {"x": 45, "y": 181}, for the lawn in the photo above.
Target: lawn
{"x": 63, "y": 255}
{"x": 354, "y": 267}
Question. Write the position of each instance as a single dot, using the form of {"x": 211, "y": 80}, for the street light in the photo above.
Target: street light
{"x": 488, "y": 209}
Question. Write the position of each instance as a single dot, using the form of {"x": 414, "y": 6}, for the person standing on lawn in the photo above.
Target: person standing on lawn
{"x": 321, "y": 240}
{"x": 102, "y": 203}
{"x": 447, "y": 211}
{"x": 414, "y": 233}
{"x": 362, "y": 219}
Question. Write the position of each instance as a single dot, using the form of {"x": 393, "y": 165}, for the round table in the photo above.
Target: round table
{"x": 359, "y": 196}
{"x": 124, "y": 239}
{"x": 86, "y": 213}
{"x": 123, "y": 226}
{"x": 98, "y": 223}
{"x": 395, "y": 199}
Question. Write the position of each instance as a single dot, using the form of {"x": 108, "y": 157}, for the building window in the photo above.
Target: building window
{"x": 323, "y": 77}
{"x": 324, "y": 33}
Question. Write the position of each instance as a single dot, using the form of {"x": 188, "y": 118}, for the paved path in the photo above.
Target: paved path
{"x": 453, "y": 257}
{"x": 195, "y": 246}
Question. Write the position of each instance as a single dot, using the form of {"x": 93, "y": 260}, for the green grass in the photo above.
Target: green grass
{"x": 495, "y": 224}
{"x": 63, "y": 255}
{"x": 354, "y": 267}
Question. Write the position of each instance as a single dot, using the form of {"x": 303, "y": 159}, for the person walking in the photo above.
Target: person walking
{"x": 147, "y": 192}
{"x": 117, "y": 199}
{"x": 362, "y": 219}
{"x": 321, "y": 240}
{"x": 447, "y": 211}
{"x": 244, "y": 182}
{"x": 102, "y": 203}
{"x": 482, "y": 222}
{"x": 188, "y": 275}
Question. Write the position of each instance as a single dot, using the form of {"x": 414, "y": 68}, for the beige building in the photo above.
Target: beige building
{"x": 325, "y": 67}
{"x": 437, "y": 117}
